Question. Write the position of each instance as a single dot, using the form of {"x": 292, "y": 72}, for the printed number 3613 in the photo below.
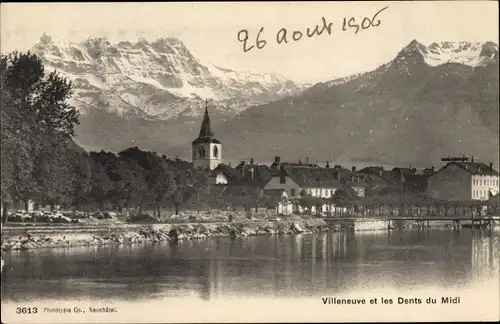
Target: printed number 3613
{"x": 26, "y": 310}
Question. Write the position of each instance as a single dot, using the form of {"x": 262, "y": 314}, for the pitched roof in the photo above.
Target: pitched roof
{"x": 316, "y": 177}
{"x": 206, "y": 135}
{"x": 407, "y": 172}
{"x": 229, "y": 171}
{"x": 475, "y": 168}
{"x": 261, "y": 174}
{"x": 393, "y": 177}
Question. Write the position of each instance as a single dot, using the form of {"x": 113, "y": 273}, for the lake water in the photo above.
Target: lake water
{"x": 269, "y": 266}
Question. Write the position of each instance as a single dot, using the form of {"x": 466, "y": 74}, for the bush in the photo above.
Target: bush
{"x": 142, "y": 217}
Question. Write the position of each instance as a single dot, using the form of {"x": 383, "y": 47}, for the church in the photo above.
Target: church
{"x": 206, "y": 149}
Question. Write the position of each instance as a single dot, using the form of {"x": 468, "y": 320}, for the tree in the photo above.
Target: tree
{"x": 52, "y": 175}
{"x": 36, "y": 120}
{"x": 130, "y": 183}
{"x": 183, "y": 183}
{"x": 178, "y": 198}
{"x": 161, "y": 183}
{"x": 81, "y": 178}
{"x": 307, "y": 200}
{"x": 16, "y": 163}
{"x": 100, "y": 182}
{"x": 199, "y": 187}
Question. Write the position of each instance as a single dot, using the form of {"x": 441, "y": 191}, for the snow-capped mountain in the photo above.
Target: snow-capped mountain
{"x": 411, "y": 110}
{"x": 473, "y": 54}
{"x": 158, "y": 80}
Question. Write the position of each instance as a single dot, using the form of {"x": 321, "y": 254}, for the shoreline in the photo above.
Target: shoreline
{"x": 30, "y": 237}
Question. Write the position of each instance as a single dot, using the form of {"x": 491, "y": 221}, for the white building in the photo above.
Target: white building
{"x": 311, "y": 179}
{"x": 461, "y": 181}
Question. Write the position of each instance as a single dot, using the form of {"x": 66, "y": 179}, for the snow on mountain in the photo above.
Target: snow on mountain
{"x": 155, "y": 80}
{"x": 405, "y": 111}
{"x": 460, "y": 52}
{"x": 473, "y": 54}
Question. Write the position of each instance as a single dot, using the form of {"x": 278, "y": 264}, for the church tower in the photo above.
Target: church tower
{"x": 207, "y": 150}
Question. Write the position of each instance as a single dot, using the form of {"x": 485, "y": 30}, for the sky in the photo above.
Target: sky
{"x": 210, "y": 30}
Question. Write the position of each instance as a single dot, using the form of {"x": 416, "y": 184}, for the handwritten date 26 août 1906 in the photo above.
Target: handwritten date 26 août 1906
{"x": 285, "y": 36}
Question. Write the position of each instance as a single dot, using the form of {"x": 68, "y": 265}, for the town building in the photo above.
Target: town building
{"x": 298, "y": 179}
{"x": 254, "y": 174}
{"x": 206, "y": 149}
{"x": 381, "y": 182}
{"x": 464, "y": 180}
{"x": 399, "y": 180}
{"x": 223, "y": 174}
{"x": 278, "y": 200}
{"x": 250, "y": 175}
{"x": 413, "y": 181}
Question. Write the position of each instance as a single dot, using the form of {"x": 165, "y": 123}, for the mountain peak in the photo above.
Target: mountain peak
{"x": 438, "y": 53}
{"x": 45, "y": 39}
{"x": 414, "y": 44}
{"x": 409, "y": 57}
{"x": 414, "y": 47}
{"x": 172, "y": 41}
{"x": 158, "y": 79}
{"x": 489, "y": 53}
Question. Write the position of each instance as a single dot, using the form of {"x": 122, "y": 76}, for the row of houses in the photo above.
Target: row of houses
{"x": 460, "y": 179}
{"x": 454, "y": 181}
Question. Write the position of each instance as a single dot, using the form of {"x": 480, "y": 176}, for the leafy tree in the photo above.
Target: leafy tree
{"x": 52, "y": 175}
{"x": 199, "y": 187}
{"x": 100, "y": 182}
{"x": 178, "y": 198}
{"x": 183, "y": 184}
{"x": 36, "y": 121}
{"x": 16, "y": 162}
{"x": 161, "y": 183}
{"x": 81, "y": 178}
{"x": 307, "y": 200}
{"x": 340, "y": 197}
{"x": 131, "y": 184}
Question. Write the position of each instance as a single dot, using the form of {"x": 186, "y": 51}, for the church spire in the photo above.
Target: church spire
{"x": 206, "y": 130}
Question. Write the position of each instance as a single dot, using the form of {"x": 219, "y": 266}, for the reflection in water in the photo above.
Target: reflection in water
{"x": 301, "y": 265}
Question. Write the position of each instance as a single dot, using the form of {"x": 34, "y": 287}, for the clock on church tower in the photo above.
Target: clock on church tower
{"x": 206, "y": 149}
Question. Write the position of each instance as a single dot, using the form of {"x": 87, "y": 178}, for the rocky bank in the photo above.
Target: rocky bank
{"x": 32, "y": 238}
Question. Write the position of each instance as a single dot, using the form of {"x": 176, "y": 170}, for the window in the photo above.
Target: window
{"x": 216, "y": 152}
{"x": 292, "y": 192}
{"x": 332, "y": 192}
{"x": 201, "y": 152}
